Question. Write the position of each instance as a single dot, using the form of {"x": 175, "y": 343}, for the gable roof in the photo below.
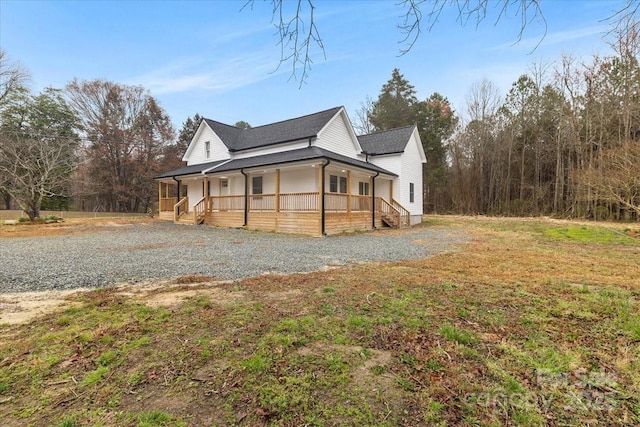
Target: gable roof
{"x": 299, "y": 128}
{"x": 189, "y": 170}
{"x": 390, "y": 141}
{"x": 292, "y": 156}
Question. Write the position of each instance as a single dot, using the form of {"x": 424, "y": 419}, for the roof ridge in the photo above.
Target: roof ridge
{"x": 224, "y": 124}
{"x": 296, "y": 118}
{"x": 387, "y": 130}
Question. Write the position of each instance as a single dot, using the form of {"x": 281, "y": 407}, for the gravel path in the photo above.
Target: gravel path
{"x": 133, "y": 253}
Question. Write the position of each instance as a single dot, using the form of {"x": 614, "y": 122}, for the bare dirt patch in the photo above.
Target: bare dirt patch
{"x": 23, "y": 307}
{"x": 69, "y": 226}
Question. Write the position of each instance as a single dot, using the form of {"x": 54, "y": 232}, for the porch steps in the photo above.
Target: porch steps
{"x": 188, "y": 220}
{"x": 390, "y": 221}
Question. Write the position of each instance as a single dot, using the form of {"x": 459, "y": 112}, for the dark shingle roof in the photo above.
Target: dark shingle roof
{"x": 189, "y": 170}
{"x": 301, "y": 154}
{"x": 387, "y": 141}
{"x": 299, "y": 128}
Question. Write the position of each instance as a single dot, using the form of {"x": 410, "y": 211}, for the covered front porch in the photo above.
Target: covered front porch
{"x": 313, "y": 198}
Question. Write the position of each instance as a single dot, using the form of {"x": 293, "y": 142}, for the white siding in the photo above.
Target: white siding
{"x": 382, "y": 188}
{"x": 197, "y": 153}
{"x": 391, "y": 162}
{"x": 411, "y": 173}
{"x": 268, "y": 182}
{"x": 337, "y": 138}
{"x": 299, "y": 180}
{"x": 236, "y": 185}
{"x": 408, "y": 167}
{"x": 194, "y": 190}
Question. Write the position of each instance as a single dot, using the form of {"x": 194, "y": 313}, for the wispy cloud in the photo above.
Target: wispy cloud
{"x": 559, "y": 37}
{"x": 217, "y": 75}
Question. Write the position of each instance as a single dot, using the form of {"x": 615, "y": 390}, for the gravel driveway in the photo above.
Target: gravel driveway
{"x": 137, "y": 252}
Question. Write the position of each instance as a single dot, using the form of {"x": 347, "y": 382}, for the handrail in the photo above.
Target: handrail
{"x": 405, "y": 214}
{"x": 183, "y": 203}
{"x": 199, "y": 210}
{"x": 388, "y": 209}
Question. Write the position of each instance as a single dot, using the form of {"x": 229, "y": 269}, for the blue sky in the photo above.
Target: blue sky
{"x": 211, "y": 58}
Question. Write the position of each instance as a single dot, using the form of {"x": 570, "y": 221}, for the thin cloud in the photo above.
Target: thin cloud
{"x": 218, "y": 75}
{"x": 559, "y": 37}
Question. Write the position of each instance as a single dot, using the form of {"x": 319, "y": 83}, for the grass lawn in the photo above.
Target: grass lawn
{"x": 533, "y": 323}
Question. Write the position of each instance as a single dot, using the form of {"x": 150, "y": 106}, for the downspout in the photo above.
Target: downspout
{"x": 246, "y": 197}
{"x": 322, "y": 184}
{"x": 373, "y": 201}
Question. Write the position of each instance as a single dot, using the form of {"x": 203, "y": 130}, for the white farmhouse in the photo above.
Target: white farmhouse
{"x": 309, "y": 175}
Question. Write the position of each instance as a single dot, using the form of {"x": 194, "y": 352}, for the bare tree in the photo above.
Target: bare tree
{"x": 362, "y": 124}
{"x": 617, "y": 179}
{"x": 12, "y": 77}
{"x": 37, "y": 149}
{"x": 127, "y": 133}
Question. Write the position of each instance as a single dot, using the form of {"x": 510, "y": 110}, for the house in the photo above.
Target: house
{"x": 310, "y": 175}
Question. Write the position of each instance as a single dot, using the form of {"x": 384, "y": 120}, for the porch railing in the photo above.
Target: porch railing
{"x": 199, "y": 210}
{"x": 389, "y": 213}
{"x": 226, "y": 203}
{"x": 360, "y": 203}
{"x": 405, "y": 215}
{"x": 335, "y": 202}
{"x": 180, "y": 208}
{"x": 347, "y": 202}
{"x": 262, "y": 202}
{"x": 166, "y": 204}
{"x": 297, "y": 202}
{"x": 300, "y": 202}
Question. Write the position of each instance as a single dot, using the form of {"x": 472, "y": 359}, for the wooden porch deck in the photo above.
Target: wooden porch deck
{"x": 288, "y": 212}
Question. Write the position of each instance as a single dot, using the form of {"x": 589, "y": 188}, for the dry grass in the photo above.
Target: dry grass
{"x": 533, "y": 323}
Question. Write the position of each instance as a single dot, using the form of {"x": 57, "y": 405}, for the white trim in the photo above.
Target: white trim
{"x": 204, "y": 172}
{"x": 192, "y": 144}
{"x": 416, "y": 135}
{"x": 352, "y": 134}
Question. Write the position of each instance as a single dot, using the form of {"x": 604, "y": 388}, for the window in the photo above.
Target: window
{"x": 333, "y": 184}
{"x": 334, "y": 180}
{"x": 411, "y": 192}
{"x": 224, "y": 183}
{"x": 343, "y": 185}
{"x": 207, "y": 149}
{"x": 256, "y": 185}
{"x": 363, "y": 188}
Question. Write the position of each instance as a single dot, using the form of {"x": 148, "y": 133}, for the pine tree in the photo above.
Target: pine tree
{"x": 395, "y": 105}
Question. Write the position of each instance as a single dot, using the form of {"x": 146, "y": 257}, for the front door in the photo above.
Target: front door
{"x": 224, "y": 191}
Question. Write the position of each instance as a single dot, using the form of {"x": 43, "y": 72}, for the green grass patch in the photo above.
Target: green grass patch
{"x": 459, "y": 335}
{"x": 588, "y": 234}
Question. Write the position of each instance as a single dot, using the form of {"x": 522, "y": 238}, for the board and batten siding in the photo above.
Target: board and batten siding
{"x": 337, "y": 138}
{"x": 197, "y": 152}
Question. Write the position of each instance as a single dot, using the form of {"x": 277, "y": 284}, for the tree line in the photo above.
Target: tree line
{"x": 93, "y": 145}
{"x": 564, "y": 140}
